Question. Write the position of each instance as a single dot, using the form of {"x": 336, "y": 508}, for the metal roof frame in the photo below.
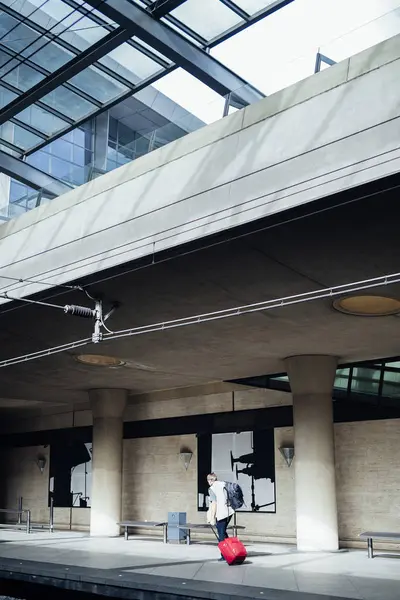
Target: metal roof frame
{"x": 64, "y": 73}
{"x": 177, "y": 48}
{"x": 198, "y": 62}
{"x": 160, "y": 8}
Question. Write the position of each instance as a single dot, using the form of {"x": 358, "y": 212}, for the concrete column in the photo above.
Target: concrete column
{"x": 311, "y": 380}
{"x": 107, "y": 408}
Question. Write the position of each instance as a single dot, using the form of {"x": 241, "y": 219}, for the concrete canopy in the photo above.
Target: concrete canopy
{"x": 356, "y": 239}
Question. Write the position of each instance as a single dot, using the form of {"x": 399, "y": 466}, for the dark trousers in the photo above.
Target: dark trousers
{"x": 222, "y": 526}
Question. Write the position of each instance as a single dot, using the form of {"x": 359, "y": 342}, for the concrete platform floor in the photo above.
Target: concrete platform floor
{"x": 346, "y": 574}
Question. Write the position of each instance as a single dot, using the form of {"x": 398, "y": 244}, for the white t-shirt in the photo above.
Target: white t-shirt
{"x": 218, "y": 494}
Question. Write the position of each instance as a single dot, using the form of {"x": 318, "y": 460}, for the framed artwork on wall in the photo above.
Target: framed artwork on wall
{"x": 70, "y": 480}
{"x": 246, "y": 458}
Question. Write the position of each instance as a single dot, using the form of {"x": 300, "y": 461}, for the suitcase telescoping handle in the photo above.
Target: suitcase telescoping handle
{"x": 215, "y": 533}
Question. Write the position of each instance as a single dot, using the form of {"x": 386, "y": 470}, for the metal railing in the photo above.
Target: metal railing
{"x": 20, "y": 512}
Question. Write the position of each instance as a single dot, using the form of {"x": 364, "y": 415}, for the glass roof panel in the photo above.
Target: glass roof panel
{"x": 208, "y": 18}
{"x": 61, "y": 20}
{"x": 23, "y": 77}
{"x": 153, "y": 50}
{"x": 68, "y": 103}
{"x": 47, "y": 55}
{"x": 6, "y": 96}
{"x": 18, "y": 136}
{"x": 42, "y": 120}
{"x": 98, "y": 85}
{"x": 131, "y": 63}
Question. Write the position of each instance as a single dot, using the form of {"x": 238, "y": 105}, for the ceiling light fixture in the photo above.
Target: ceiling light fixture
{"x": 367, "y": 306}
{"x": 98, "y": 360}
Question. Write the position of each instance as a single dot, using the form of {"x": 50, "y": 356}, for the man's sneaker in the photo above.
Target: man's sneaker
{"x": 221, "y": 559}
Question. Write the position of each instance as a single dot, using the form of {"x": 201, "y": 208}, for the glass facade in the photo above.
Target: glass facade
{"x": 68, "y": 157}
{"x": 77, "y": 157}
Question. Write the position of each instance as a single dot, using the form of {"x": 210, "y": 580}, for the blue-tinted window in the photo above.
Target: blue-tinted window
{"x": 62, "y": 149}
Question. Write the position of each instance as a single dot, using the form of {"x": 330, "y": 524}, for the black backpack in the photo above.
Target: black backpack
{"x": 234, "y": 495}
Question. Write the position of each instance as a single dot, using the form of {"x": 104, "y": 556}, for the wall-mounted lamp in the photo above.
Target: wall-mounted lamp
{"x": 41, "y": 463}
{"x": 186, "y": 457}
{"x": 287, "y": 453}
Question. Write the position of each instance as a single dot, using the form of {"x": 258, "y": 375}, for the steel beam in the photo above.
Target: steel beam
{"x": 160, "y": 8}
{"x": 31, "y": 176}
{"x": 64, "y": 73}
{"x": 236, "y": 9}
{"x": 178, "y": 49}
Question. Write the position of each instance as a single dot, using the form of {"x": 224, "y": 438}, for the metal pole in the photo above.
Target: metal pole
{"x": 51, "y": 522}
{"x": 28, "y": 521}
{"x": 370, "y": 548}
{"x": 226, "y": 105}
{"x": 19, "y": 509}
{"x": 317, "y": 67}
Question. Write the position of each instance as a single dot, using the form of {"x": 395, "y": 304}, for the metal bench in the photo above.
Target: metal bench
{"x": 144, "y": 525}
{"x": 20, "y": 513}
{"x": 378, "y": 535}
{"x": 204, "y": 526}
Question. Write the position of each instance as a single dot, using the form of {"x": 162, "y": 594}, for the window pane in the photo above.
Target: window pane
{"x": 342, "y": 379}
{"x": 78, "y": 155}
{"x": 60, "y": 168}
{"x": 14, "y": 35}
{"x": 62, "y": 149}
{"x": 365, "y": 381}
{"x": 98, "y": 85}
{"x": 6, "y": 96}
{"x": 18, "y": 136}
{"x": 207, "y": 18}
{"x": 22, "y": 77}
{"x": 50, "y": 56}
{"x": 40, "y": 160}
{"x": 42, "y": 120}
{"x": 391, "y": 384}
{"x": 68, "y": 103}
{"x": 393, "y": 365}
{"x": 131, "y": 63}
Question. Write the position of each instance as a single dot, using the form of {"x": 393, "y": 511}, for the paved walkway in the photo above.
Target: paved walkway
{"x": 346, "y": 574}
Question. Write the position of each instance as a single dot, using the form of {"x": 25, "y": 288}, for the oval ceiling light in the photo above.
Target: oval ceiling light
{"x": 367, "y": 306}
{"x": 99, "y": 360}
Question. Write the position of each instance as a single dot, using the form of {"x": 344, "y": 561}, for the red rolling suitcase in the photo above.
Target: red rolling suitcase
{"x": 233, "y": 551}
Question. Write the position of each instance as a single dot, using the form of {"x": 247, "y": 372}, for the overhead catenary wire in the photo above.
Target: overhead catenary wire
{"x": 217, "y": 315}
{"x": 40, "y": 281}
{"x": 6, "y": 296}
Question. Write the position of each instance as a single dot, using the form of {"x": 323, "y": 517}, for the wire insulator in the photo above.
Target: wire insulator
{"x": 79, "y": 311}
